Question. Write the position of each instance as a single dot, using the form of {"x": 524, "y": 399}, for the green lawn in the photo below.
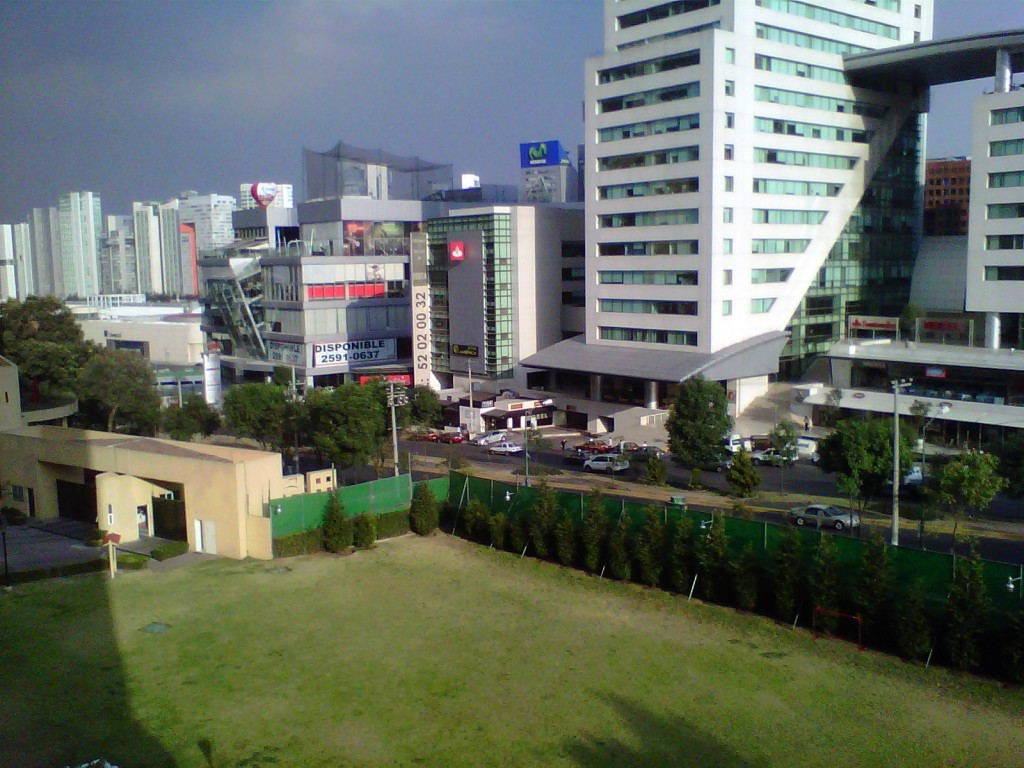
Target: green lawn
{"x": 436, "y": 652}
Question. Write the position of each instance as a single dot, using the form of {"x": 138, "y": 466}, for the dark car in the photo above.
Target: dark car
{"x": 577, "y": 457}
{"x": 720, "y": 465}
{"x": 644, "y": 452}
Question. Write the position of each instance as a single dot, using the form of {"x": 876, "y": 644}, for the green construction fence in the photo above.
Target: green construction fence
{"x": 304, "y": 512}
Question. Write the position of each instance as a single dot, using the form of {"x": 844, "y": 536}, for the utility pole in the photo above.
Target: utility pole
{"x": 395, "y": 398}
{"x": 897, "y": 385}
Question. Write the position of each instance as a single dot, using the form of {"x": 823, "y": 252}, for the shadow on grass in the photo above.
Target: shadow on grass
{"x": 657, "y": 741}
{"x": 65, "y": 694}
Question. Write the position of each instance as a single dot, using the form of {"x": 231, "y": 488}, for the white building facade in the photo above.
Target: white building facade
{"x": 81, "y": 224}
{"x": 285, "y": 197}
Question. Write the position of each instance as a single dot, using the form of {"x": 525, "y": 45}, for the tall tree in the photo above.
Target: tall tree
{"x": 743, "y": 479}
{"x": 542, "y": 520}
{"x": 872, "y": 593}
{"x": 1011, "y": 465}
{"x": 193, "y": 417}
{"x": 825, "y": 582}
{"x": 41, "y": 337}
{"x": 698, "y": 421}
{"x": 256, "y": 411}
{"x": 425, "y": 407}
{"x": 350, "y": 425}
{"x": 968, "y": 483}
{"x": 860, "y": 452}
{"x": 965, "y": 613}
{"x": 122, "y": 386}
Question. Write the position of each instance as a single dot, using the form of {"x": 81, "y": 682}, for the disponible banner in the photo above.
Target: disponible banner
{"x": 353, "y": 353}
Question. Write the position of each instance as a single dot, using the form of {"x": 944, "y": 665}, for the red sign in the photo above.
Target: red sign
{"x": 112, "y": 538}
{"x": 397, "y": 378}
{"x": 872, "y": 323}
{"x": 456, "y": 250}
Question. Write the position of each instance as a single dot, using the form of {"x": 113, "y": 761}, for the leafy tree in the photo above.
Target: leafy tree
{"x": 968, "y": 483}
{"x": 121, "y": 384}
{"x": 364, "y": 535}
{"x": 787, "y": 576}
{"x": 873, "y": 590}
{"x": 825, "y": 582}
{"x": 282, "y": 376}
{"x": 649, "y": 550}
{"x": 54, "y": 366}
{"x": 913, "y": 629}
{"x": 713, "y": 561}
{"x": 474, "y": 520}
{"x": 966, "y": 611}
{"x": 654, "y": 471}
{"x": 909, "y": 317}
{"x": 747, "y": 579}
{"x": 256, "y": 411}
{"x": 1011, "y": 465}
{"x": 498, "y": 527}
{"x": 860, "y": 452}
{"x": 698, "y": 421}
{"x": 423, "y": 512}
{"x": 350, "y": 424}
{"x": 543, "y": 518}
{"x": 680, "y": 562}
{"x": 193, "y": 417}
{"x": 41, "y": 337}
{"x": 619, "y": 566}
{"x": 783, "y": 439}
{"x": 743, "y": 479}
{"x": 425, "y": 407}
{"x": 337, "y": 529}
{"x": 515, "y": 535}
{"x": 565, "y": 538}
{"x": 592, "y": 532}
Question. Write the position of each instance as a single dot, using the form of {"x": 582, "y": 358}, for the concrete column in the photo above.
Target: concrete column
{"x": 992, "y": 330}
{"x": 1004, "y": 71}
{"x": 651, "y": 394}
{"x": 595, "y": 386}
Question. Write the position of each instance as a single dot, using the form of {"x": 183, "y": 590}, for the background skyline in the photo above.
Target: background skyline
{"x": 141, "y": 100}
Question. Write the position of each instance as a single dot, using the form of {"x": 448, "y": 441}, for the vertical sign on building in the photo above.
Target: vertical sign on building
{"x": 420, "y": 309}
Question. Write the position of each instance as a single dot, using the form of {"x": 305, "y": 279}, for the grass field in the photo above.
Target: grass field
{"x": 436, "y": 652}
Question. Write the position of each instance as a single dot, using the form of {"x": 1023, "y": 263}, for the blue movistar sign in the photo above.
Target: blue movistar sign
{"x": 542, "y": 153}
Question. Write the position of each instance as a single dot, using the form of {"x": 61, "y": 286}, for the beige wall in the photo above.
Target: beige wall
{"x": 169, "y": 342}
{"x": 226, "y": 488}
{"x": 121, "y": 496}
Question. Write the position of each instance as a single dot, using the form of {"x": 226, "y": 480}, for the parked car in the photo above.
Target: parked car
{"x": 807, "y": 448}
{"x": 427, "y": 436}
{"x": 606, "y": 463}
{"x": 450, "y": 437}
{"x": 597, "y": 446}
{"x": 505, "y": 449}
{"x": 824, "y": 516}
{"x": 734, "y": 444}
{"x": 772, "y": 457}
{"x": 644, "y": 452}
{"x": 722, "y": 464}
{"x": 487, "y": 438}
{"x": 578, "y": 457}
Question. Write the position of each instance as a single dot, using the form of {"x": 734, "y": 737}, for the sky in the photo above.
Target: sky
{"x": 139, "y": 100}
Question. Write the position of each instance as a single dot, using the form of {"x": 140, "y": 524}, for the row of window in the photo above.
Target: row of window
{"x": 649, "y": 67}
{"x": 649, "y": 248}
{"x": 1004, "y": 242}
{"x": 1006, "y": 116}
{"x": 644, "y": 159}
{"x": 775, "y": 245}
{"x": 663, "y": 11}
{"x": 791, "y": 187}
{"x": 798, "y": 69}
{"x": 643, "y": 336}
{"x": 759, "y": 276}
{"x": 648, "y": 307}
{"x": 1006, "y": 211}
{"x": 1006, "y": 179}
{"x": 647, "y": 277}
{"x": 650, "y": 128}
{"x": 814, "y": 101}
{"x": 649, "y": 188}
{"x": 646, "y": 98}
{"x": 779, "y": 216}
{"x": 716, "y": 24}
{"x": 845, "y": 20}
{"x": 1006, "y": 148}
{"x": 815, "y": 43}
{"x": 810, "y": 159}
{"x": 811, "y": 130}
{"x": 1004, "y": 273}
{"x": 650, "y": 218}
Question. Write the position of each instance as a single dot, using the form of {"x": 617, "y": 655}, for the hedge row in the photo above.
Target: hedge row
{"x": 803, "y": 572}
{"x": 170, "y": 549}
{"x": 362, "y": 531}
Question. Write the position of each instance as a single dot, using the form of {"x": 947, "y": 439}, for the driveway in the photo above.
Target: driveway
{"x": 48, "y": 543}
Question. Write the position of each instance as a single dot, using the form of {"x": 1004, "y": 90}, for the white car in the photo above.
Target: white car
{"x": 807, "y": 448}
{"x": 505, "y": 449}
{"x": 489, "y": 438}
{"x": 606, "y": 462}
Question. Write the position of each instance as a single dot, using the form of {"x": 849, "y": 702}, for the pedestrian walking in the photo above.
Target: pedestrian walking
{"x": 564, "y": 441}
{"x": 807, "y": 424}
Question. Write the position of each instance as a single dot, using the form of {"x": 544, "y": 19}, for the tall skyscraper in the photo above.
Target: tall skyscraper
{"x": 24, "y": 274}
{"x": 118, "y": 264}
{"x": 146, "y": 218}
{"x": 81, "y": 224}
{"x": 47, "y": 264}
{"x": 8, "y": 270}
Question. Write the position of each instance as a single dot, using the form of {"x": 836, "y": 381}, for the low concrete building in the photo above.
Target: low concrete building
{"x": 215, "y": 497}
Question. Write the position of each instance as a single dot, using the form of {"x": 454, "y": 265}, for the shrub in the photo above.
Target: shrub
{"x": 1013, "y": 648}
{"x": 743, "y": 479}
{"x": 654, "y": 471}
{"x": 825, "y": 582}
{"x": 619, "y": 566}
{"x": 565, "y": 539}
{"x": 305, "y": 543}
{"x": 392, "y": 524}
{"x": 748, "y": 577}
{"x": 966, "y": 611}
{"x": 169, "y": 550}
{"x": 913, "y": 630}
{"x": 515, "y": 535}
{"x": 423, "y": 514}
{"x": 364, "y": 533}
{"x": 498, "y": 524}
{"x": 787, "y": 579}
{"x": 13, "y": 515}
{"x": 337, "y": 527}
{"x": 872, "y": 594}
{"x": 592, "y": 532}
{"x": 680, "y": 557}
{"x": 474, "y": 520}
{"x": 650, "y": 548}
{"x": 95, "y": 538}
{"x": 694, "y": 483}
{"x": 542, "y": 520}
{"x": 715, "y": 566}
{"x": 129, "y": 561}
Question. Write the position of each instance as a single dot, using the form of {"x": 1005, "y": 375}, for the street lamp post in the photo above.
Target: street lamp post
{"x": 943, "y": 410}
{"x": 395, "y": 398}
{"x": 897, "y": 385}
